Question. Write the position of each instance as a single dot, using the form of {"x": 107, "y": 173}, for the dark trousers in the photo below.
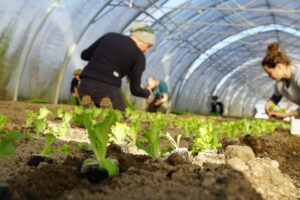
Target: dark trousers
{"x": 98, "y": 90}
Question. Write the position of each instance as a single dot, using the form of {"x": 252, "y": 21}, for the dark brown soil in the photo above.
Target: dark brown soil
{"x": 285, "y": 149}
{"x": 140, "y": 177}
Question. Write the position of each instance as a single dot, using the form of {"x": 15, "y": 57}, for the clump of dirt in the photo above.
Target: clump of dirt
{"x": 47, "y": 181}
{"x": 263, "y": 173}
{"x": 285, "y": 149}
{"x": 176, "y": 159}
{"x": 172, "y": 182}
{"x": 125, "y": 160}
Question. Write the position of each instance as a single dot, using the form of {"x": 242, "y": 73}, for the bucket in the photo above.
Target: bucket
{"x": 295, "y": 127}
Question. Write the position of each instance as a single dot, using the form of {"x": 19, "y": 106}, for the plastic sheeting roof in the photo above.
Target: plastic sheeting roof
{"x": 203, "y": 48}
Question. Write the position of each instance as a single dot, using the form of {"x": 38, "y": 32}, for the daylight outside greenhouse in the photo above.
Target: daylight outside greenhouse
{"x": 149, "y": 99}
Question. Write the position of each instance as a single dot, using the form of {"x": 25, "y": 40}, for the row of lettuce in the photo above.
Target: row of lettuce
{"x": 132, "y": 127}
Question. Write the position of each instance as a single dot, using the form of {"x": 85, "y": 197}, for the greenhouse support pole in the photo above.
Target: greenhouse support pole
{"x": 28, "y": 47}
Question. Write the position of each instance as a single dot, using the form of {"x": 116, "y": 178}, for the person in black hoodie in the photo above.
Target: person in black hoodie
{"x": 112, "y": 57}
{"x": 216, "y": 106}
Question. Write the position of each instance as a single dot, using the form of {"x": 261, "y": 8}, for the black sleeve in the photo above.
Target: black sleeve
{"x": 221, "y": 108}
{"x": 213, "y": 108}
{"x": 275, "y": 98}
{"x": 88, "y": 53}
{"x": 73, "y": 85}
{"x": 135, "y": 76}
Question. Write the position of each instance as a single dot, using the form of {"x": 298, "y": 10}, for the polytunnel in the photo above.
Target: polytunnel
{"x": 203, "y": 48}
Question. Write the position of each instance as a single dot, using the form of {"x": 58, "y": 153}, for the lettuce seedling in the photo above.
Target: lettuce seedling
{"x": 174, "y": 143}
{"x": 206, "y": 139}
{"x": 65, "y": 125}
{"x": 98, "y": 135}
{"x": 6, "y": 143}
{"x": 44, "y": 112}
{"x": 153, "y": 136}
{"x": 119, "y": 132}
{"x": 31, "y": 117}
{"x": 132, "y": 134}
{"x": 59, "y": 112}
{"x": 64, "y": 148}
{"x": 49, "y": 139}
{"x": 40, "y": 125}
{"x": 3, "y": 120}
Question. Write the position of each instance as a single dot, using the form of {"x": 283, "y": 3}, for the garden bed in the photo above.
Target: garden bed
{"x": 236, "y": 174}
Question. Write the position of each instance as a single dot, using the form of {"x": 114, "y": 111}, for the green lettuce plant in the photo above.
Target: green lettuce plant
{"x": 121, "y": 132}
{"x": 59, "y": 112}
{"x": 153, "y": 135}
{"x": 7, "y": 139}
{"x": 3, "y": 120}
{"x": 99, "y": 138}
{"x": 174, "y": 143}
{"x": 206, "y": 139}
{"x": 38, "y": 121}
{"x": 49, "y": 139}
{"x": 66, "y": 124}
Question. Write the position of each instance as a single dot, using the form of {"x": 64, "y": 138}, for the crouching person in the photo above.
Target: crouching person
{"x": 159, "y": 99}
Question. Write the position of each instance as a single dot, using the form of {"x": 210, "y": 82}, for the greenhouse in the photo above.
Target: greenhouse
{"x": 164, "y": 103}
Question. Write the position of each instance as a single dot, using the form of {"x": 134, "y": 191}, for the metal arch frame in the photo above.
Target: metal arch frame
{"x": 227, "y": 45}
{"x": 283, "y": 41}
{"x": 69, "y": 53}
{"x": 226, "y": 78}
{"x": 193, "y": 81}
{"x": 204, "y": 71}
{"x": 71, "y": 50}
{"x": 212, "y": 37}
{"x": 236, "y": 90}
{"x": 284, "y": 32}
{"x": 28, "y": 46}
{"x": 222, "y": 18}
{"x": 169, "y": 12}
{"x": 242, "y": 64}
{"x": 204, "y": 99}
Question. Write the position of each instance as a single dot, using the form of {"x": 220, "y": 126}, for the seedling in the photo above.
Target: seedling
{"x": 98, "y": 135}
{"x": 121, "y": 133}
{"x": 153, "y": 136}
{"x": 64, "y": 148}
{"x": 206, "y": 139}
{"x": 59, "y": 112}
{"x": 3, "y": 120}
{"x": 65, "y": 125}
{"x": 6, "y": 142}
{"x": 174, "y": 143}
{"x": 49, "y": 139}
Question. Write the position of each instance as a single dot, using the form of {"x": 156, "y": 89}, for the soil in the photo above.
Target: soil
{"x": 270, "y": 174}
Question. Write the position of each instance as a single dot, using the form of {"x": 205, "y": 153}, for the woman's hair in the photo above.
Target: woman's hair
{"x": 274, "y": 56}
{"x": 77, "y": 72}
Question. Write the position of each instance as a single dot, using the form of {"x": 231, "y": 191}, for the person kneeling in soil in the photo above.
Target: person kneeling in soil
{"x": 161, "y": 96}
{"x": 216, "y": 106}
{"x": 74, "y": 87}
{"x": 112, "y": 57}
{"x": 287, "y": 76}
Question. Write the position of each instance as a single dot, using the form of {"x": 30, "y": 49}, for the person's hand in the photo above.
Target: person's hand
{"x": 277, "y": 115}
{"x": 267, "y": 108}
{"x": 149, "y": 88}
{"x": 157, "y": 103}
{"x": 148, "y": 100}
